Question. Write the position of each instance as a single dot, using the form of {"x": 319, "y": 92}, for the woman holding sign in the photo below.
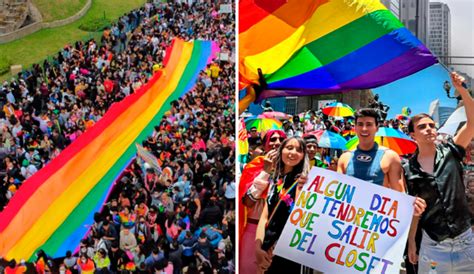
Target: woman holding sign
{"x": 252, "y": 198}
{"x": 291, "y": 163}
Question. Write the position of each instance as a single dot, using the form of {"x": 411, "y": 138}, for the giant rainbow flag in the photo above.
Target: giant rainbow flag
{"x": 307, "y": 47}
{"x": 54, "y": 209}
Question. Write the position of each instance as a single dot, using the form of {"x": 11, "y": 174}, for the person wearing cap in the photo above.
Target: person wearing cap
{"x": 253, "y": 138}
{"x": 312, "y": 148}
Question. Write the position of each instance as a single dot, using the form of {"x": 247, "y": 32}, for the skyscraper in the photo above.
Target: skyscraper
{"x": 413, "y": 11}
{"x": 393, "y": 6}
{"x": 440, "y": 31}
{"x": 444, "y": 113}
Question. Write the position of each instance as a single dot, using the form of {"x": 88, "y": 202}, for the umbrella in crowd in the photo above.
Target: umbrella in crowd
{"x": 402, "y": 118}
{"x": 454, "y": 122}
{"x": 262, "y": 124}
{"x": 329, "y": 139}
{"x": 406, "y": 111}
{"x": 275, "y": 115}
{"x": 391, "y": 138}
{"x": 338, "y": 110}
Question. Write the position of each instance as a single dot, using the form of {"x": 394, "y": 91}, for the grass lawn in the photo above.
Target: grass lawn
{"x": 53, "y": 10}
{"x": 39, "y": 45}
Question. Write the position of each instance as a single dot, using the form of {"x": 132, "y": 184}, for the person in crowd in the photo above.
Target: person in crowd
{"x": 254, "y": 138}
{"x": 85, "y": 265}
{"x": 252, "y": 195}
{"x": 291, "y": 162}
{"x": 43, "y": 263}
{"x": 84, "y": 80}
{"x": 70, "y": 260}
{"x": 435, "y": 173}
{"x": 312, "y": 148}
{"x": 371, "y": 163}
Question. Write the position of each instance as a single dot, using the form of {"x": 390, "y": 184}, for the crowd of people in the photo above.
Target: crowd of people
{"x": 313, "y": 120}
{"x": 279, "y": 161}
{"x": 177, "y": 219}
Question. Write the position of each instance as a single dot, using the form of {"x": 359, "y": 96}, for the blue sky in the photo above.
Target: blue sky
{"x": 416, "y": 91}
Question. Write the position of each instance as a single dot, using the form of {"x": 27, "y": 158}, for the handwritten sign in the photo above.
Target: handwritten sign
{"x": 340, "y": 224}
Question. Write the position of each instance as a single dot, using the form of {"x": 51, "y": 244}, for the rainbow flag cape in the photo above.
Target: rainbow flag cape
{"x": 243, "y": 142}
{"x": 307, "y": 47}
{"x": 54, "y": 209}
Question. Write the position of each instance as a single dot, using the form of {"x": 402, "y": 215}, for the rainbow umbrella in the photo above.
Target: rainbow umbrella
{"x": 338, "y": 109}
{"x": 391, "y": 138}
{"x": 275, "y": 115}
{"x": 329, "y": 139}
{"x": 262, "y": 124}
{"x": 406, "y": 111}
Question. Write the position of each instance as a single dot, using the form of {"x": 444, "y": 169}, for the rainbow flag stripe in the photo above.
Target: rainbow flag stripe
{"x": 326, "y": 46}
{"x": 54, "y": 209}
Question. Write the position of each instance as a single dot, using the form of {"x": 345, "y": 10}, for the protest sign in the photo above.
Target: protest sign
{"x": 340, "y": 224}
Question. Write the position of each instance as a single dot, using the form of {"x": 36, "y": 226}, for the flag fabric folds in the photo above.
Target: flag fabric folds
{"x": 54, "y": 208}
{"x": 147, "y": 157}
{"x": 306, "y": 47}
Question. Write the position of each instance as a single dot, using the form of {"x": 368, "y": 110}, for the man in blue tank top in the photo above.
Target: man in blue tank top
{"x": 372, "y": 163}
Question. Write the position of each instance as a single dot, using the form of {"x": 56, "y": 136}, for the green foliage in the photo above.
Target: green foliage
{"x": 53, "y": 10}
{"x": 97, "y": 24}
{"x": 5, "y": 64}
{"x": 47, "y": 42}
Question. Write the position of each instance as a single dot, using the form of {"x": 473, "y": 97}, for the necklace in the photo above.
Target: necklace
{"x": 283, "y": 195}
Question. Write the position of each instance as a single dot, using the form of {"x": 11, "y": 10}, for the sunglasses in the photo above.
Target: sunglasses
{"x": 274, "y": 139}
